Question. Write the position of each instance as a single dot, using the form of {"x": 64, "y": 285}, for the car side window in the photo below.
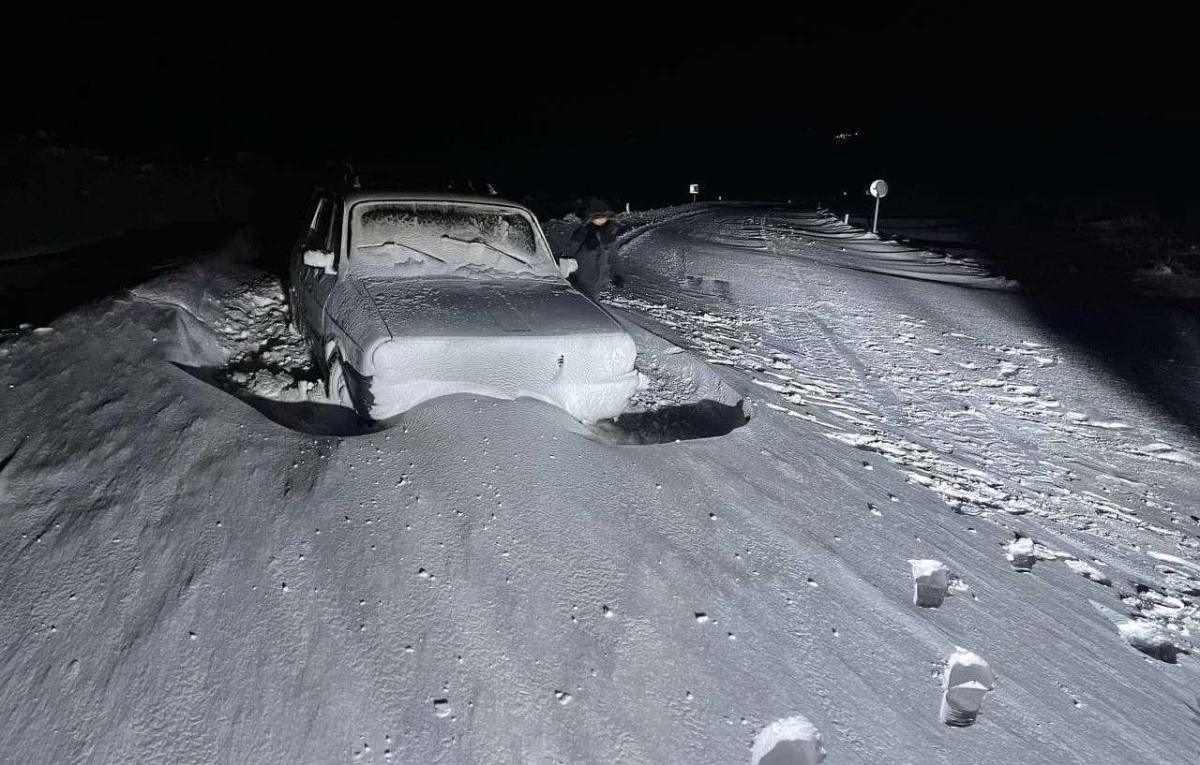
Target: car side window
{"x": 320, "y": 227}
{"x": 334, "y": 240}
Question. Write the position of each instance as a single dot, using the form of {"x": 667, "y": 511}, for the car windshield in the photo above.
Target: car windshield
{"x": 440, "y": 239}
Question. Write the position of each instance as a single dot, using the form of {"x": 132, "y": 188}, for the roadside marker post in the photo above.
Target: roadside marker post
{"x": 879, "y": 190}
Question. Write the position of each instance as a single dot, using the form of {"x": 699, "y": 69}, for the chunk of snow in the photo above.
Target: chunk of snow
{"x": 790, "y": 741}
{"x": 1021, "y": 554}
{"x": 967, "y": 679}
{"x": 1150, "y": 639}
{"x": 1175, "y": 559}
{"x": 931, "y": 581}
{"x": 1088, "y": 571}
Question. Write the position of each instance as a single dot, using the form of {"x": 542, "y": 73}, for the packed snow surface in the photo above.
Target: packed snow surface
{"x": 202, "y": 564}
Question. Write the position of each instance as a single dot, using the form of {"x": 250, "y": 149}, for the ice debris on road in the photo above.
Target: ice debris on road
{"x": 931, "y": 582}
{"x": 967, "y": 679}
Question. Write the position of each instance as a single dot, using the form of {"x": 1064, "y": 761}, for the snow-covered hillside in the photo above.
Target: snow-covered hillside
{"x": 202, "y": 561}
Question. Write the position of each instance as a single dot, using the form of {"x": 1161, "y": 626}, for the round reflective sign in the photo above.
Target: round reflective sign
{"x": 879, "y": 189}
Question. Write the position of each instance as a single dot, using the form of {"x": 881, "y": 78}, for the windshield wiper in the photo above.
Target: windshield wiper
{"x": 489, "y": 245}
{"x": 391, "y": 243}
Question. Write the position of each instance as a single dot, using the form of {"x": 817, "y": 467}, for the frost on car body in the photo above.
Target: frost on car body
{"x": 412, "y": 298}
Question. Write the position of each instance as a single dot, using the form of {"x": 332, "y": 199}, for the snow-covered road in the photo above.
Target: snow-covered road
{"x": 184, "y": 580}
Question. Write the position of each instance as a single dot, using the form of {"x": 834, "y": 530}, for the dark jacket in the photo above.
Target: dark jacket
{"x": 594, "y": 247}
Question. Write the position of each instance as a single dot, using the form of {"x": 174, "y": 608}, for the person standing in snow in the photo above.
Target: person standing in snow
{"x": 594, "y": 245}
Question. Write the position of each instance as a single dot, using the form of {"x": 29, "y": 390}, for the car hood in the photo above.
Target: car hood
{"x": 472, "y": 308}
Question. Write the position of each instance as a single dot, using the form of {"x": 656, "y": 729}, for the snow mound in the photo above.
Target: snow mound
{"x": 790, "y": 741}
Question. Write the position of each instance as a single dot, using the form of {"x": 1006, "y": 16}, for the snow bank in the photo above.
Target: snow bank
{"x": 846, "y": 246}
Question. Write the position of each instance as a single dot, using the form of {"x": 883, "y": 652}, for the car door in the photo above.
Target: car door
{"x": 315, "y": 285}
{"x": 298, "y": 273}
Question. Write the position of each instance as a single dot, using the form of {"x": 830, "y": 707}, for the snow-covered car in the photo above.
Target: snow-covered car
{"x": 405, "y": 298}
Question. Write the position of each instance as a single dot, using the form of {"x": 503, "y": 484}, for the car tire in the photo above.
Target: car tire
{"x": 337, "y": 386}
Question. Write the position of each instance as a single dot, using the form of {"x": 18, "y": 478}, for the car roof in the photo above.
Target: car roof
{"x": 355, "y": 196}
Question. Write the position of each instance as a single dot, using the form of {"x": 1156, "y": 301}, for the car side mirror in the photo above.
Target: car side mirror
{"x": 567, "y": 266}
{"x": 320, "y": 259}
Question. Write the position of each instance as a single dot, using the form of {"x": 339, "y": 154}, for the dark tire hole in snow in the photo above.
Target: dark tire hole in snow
{"x": 685, "y": 422}
{"x": 309, "y": 417}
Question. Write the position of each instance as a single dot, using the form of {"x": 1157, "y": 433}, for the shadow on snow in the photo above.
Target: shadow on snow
{"x": 684, "y": 422}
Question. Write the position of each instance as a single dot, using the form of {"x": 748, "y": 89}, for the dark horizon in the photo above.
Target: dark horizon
{"x": 960, "y": 102}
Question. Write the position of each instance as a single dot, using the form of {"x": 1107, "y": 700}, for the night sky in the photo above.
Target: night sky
{"x": 746, "y": 100}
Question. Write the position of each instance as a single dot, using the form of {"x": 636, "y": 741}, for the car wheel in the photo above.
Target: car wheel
{"x": 337, "y": 387}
